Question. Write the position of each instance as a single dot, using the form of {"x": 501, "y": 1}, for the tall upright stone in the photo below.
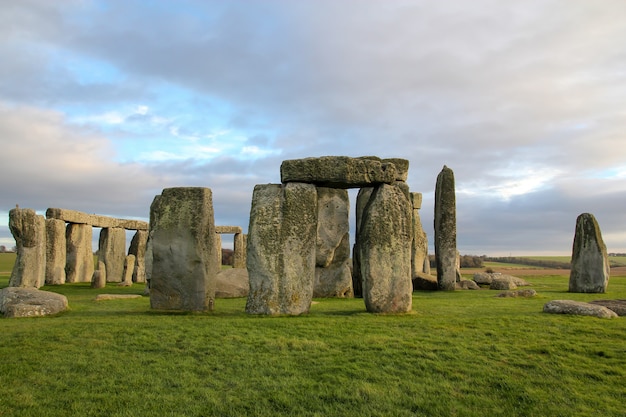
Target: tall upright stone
{"x": 362, "y": 199}
{"x": 445, "y": 230}
{"x": 281, "y": 248}
{"x": 29, "y": 231}
{"x": 419, "y": 246}
{"x": 137, "y": 247}
{"x": 590, "y": 262}
{"x": 182, "y": 236}
{"x": 240, "y": 242}
{"x": 55, "y": 252}
{"x": 79, "y": 253}
{"x": 218, "y": 252}
{"x": 333, "y": 275}
{"x": 384, "y": 246}
{"x": 112, "y": 251}
{"x": 129, "y": 268}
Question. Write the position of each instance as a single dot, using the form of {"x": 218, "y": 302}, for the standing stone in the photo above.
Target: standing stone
{"x": 239, "y": 250}
{"x": 333, "y": 277}
{"x": 445, "y": 230}
{"x": 80, "y": 262}
{"x": 138, "y": 248}
{"x": 362, "y": 199}
{"x": 55, "y": 252}
{"x": 98, "y": 279}
{"x": 129, "y": 268}
{"x": 281, "y": 248}
{"x": 419, "y": 247}
{"x": 384, "y": 246}
{"x": 182, "y": 236}
{"x": 112, "y": 251}
{"x": 218, "y": 253}
{"x": 29, "y": 231}
{"x": 590, "y": 262}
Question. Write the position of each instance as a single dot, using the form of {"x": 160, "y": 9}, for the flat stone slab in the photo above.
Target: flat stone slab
{"x": 228, "y": 229}
{"x": 343, "y": 171}
{"x": 578, "y": 308}
{"x": 529, "y": 293}
{"x": 426, "y": 282}
{"x": 105, "y": 297}
{"x": 30, "y": 302}
{"x": 618, "y": 306}
{"x": 73, "y": 216}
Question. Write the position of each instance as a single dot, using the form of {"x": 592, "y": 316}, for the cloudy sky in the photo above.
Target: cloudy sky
{"x": 105, "y": 103}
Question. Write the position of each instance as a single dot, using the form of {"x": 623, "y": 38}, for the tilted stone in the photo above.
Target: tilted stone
{"x": 182, "y": 236}
{"x": 240, "y": 242}
{"x": 73, "y": 216}
{"x": 338, "y": 171}
{"x": 281, "y": 248}
{"x": 590, "y": 262}
{"x": 29, "y": 231}
{"x": 112, "y": 251}
{"x": 228, "y": 229}
{"x": 578, "y": 308}
{"x": 445, "y": 230}
{"x": 30, "y": 302}
{"x": 385, "y": 236}
{"x": 137, "y": 247}
{"x": 79, "y": 253}
{"x": 55, "y": 252}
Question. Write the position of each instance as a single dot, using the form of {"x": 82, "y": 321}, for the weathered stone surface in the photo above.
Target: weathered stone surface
{"x": 29, "y": 231}
{"x": 618, "y": 306}
{"x": 137, "y": 247}
{"x": 129, "y": 268}
{"x": 502, "y": 283}
{"x": 590, "y": 263}
{"x": 112, "y": 251}
{"x": 72, "y": 216}
{"x": 108, "y": 297}
{"x": 425, "y": 282}
{"x": 55, "y": 252}
{"x": 335, "y": 280}
{"x": 362, "y": 199}
{"x": 232, "y": 283}
{"x": 466, "y": 284}
{"x": 384, "y": 246}
{"x": 228, "y": 229}
{"x": 578, "y": 308}
{"x": 401, "y": 165}
{"x": 281, "y": 248}
{"x": 80, "y": 265}
{"x": 30, "y": 302}
{"x": 218, "y": 253}
{"x": 529, "y": 293}
{"x": 182, "y": 236}
{"x": 486, "y": 278}
{"x": 240, "y": 242}
{"x": 445, "y": 230}
{"x": 338, "y": 171}
{"x": 98, "y": 279}
{"x": 419, "y": 245}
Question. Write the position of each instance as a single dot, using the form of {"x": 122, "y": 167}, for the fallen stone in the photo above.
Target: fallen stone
{"x": 30, "y": 302}
{"x": 484, "y": 278}
{"x": 529, "y": 293}
{"x": 578, "y": 308}
{"x": 618, "y": 306}
{"x": 467, "y": 284}
{"x": 445, "y": 230}
{"x": 590, "y": 262}
{"x": 426, "y": 282}
{"x": 106, "y": 297}
{"x": 502, "y": 283}
{"x": 232, "y": 283}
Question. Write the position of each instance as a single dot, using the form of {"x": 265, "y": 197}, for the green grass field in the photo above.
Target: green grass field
{"x": 462, "y": 353}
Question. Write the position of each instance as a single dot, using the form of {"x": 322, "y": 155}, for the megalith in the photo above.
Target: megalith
{"x": 182, "y": 236}
{"x": 80, "y": 263}
{"x": 333, "y": 275}
{"x": 112, "y": 251}
{"x": 55, "y": 252}
{"x": 129, "y": 268}
{"x": 240, "y": 242}
{"x": 445, "y": 230}
{"x": 137, "y": 247}
{"x": 29, "y": 231}
{"x": 384, "y": 246}
{"x": 590, "y": 262}
{"x": 362, "y": 199}
{"x": 281, "y": 248}
{"x": 419, "y": 246}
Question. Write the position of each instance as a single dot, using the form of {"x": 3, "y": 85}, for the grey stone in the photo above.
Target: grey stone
{"x": 29, "y": 231}
{"x": 335, "y": 280}
{"x": 281, "y": 249}
{"x": 218, "y": 253}
{"x": 618, "y": 306}
{"x": 240, "y": 242}
{"x": 138, "y": 245}
{"x": 466, "y": 284}
{"x": 108, "y": 297}
{"x": 30, "y": 302}
{"x": 362, "y": 199}
{"x": 79, "y": 253}
{"x": 55, "y": 252}
{"x": 578, "y": 308}
{"x": 401, "y": 165}
{"x": 423, "y": 281}
{"x": 528, "y": 293}
{"x": 590, "y": 263}
{"x": 485, "y": 278}
{"x": 72, "y": 216}
{"x": 338, "y": 171}
{"x": 228, "y": 229}
{"x": 502, "y": 283}
{"x": 232, "y": 283}
{"x": 98, "y": 279}
{"x": 182, "y": 236}
{"x": 129, "y": 268}
{"x": 419, "y": 246}
{"x": 384, "y": 245}
{"x": 112, "y": 251}
{"x": 445, "y": 230}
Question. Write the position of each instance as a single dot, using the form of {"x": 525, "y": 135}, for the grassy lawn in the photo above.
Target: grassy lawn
{"x": 462, "y": 353}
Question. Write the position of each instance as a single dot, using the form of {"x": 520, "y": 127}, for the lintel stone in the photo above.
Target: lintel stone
{"x": 228, "y": 229}
{"x": 78, "y": 217}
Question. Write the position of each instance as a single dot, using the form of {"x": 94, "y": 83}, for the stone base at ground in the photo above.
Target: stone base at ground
{"x": 422, "y": 281}
{"x": 232, "y": 283}
{"x": 106, "y": 297}
{"x": 578, "y": 308}
{"x": 466, "y": 284}
{"x": 618, "y": 306}
{"x": 30, "y": 302}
